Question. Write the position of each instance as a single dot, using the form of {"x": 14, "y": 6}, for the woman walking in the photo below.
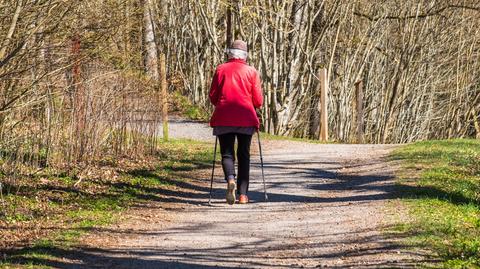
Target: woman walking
{"x": 236, "y": 92}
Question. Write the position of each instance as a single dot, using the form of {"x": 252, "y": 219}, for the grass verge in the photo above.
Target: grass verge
{"x": 440, "y": 185}
{"x": 46, "y": 214}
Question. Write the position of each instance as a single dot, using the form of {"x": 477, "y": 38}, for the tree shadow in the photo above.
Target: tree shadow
{"x": 255, "y": 252}
{"x": 87, "y": 258}
{"x": 421, "y": 192}
{"x": 282, "y": 179}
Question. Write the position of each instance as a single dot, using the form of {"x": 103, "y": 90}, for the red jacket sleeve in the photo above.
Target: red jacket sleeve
{"x": 257, "y": 94}
{"x": 214, "y": 90}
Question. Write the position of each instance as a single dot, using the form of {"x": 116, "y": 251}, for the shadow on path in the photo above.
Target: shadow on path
{"x": 284, "y": 179}
{"x": 254, "y": 252}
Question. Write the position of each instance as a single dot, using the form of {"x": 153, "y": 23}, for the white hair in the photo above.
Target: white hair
{"x": 237, "y": 54}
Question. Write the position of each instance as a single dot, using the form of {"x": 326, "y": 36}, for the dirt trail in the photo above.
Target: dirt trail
{"x": 326, "y": 209}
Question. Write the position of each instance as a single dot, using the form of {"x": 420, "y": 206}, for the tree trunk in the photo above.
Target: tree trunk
{"x": 151, "y": 54}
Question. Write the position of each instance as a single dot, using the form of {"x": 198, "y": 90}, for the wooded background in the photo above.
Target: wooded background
{"x": 79, "y": 80}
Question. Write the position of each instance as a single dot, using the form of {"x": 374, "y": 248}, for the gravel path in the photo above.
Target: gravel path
{"x": 327, "y": 208}
{"x": 187, "y": 129}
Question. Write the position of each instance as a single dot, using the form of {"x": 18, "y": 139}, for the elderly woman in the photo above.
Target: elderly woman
{"x": 235, "y": 93}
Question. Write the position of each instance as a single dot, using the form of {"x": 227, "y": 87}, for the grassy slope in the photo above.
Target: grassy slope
{"x": 441, "y": 187}
{"x": 74, "y": 211}
{"x": 182, "y": 104}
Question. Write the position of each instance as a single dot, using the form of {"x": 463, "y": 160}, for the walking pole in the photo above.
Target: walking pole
{"x": 261, "y": 161}
{"x": 213, "y": 170}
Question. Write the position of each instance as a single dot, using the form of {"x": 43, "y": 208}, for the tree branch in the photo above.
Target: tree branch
{"x": 420, "y": 16}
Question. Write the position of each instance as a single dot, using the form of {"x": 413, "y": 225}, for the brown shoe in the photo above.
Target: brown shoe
{"x": 231, "y": 186}
{"x": 243, "y": 199}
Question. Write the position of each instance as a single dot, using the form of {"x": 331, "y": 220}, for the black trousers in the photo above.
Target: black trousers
{"x": 227, "y": 149}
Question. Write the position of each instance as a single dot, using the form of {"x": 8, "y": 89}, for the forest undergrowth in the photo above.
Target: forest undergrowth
{"x": 49, "y": 209}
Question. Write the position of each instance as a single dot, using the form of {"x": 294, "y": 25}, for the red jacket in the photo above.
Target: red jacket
{"x": 235, "y": 92}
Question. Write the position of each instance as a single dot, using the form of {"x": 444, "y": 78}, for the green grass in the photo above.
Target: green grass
{"x": 96, "y": 203}
{"x": 440, "y": 184}
{"x": 189, "y": 110}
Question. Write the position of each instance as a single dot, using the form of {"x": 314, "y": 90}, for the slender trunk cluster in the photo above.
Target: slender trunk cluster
{"x": 418, "y": 62}
{"x": 81, "y": 80}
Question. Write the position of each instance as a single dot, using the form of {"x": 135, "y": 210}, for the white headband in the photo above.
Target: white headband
{"x": 237, "y": 54}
